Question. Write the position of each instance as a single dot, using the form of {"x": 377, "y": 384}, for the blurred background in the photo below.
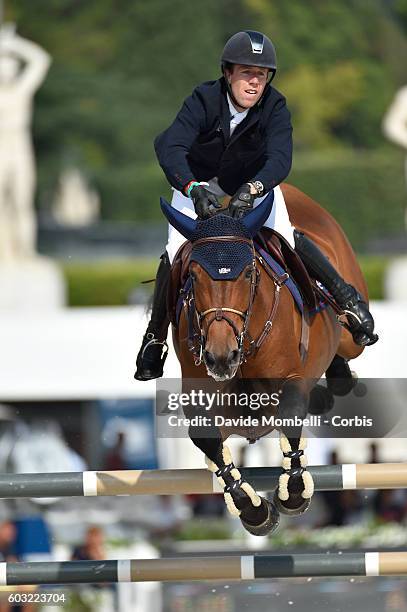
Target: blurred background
{"x": 73, "y": 311}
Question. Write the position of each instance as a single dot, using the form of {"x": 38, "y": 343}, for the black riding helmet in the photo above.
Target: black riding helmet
{"x": 249, "y": 48}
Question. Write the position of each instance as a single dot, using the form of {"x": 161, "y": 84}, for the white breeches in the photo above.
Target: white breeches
{"x": 278, "y": 219}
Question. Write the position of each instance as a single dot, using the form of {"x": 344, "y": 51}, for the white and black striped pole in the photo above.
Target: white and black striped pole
{"x": 185, "y": 481}
{"x": 236, "y": 567}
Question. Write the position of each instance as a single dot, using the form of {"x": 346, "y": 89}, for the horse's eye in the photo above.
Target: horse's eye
{"x": 192, "y": 275}
{"x": 248, "y": 273}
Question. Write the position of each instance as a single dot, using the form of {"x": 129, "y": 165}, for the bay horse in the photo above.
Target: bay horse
{"x": 247, "y": 328}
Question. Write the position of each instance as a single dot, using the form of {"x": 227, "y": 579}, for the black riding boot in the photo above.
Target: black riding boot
{"x": 360, "y": 320}
{"x": 154, "y": 348}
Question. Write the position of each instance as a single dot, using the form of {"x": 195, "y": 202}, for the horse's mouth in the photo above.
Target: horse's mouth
{"x": 224, "y": 376}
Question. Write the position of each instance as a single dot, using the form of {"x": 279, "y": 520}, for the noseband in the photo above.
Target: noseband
{"x": 197, "y": 341}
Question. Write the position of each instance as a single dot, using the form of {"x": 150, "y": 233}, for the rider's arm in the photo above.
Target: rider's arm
{"x": 173, "y": 145}
{"x": 279, "y": 147}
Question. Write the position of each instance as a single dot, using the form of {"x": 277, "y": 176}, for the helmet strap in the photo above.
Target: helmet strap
{"x": 230, "y": 92}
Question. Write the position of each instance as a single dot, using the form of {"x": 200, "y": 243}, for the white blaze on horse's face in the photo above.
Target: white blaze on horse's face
{"x": 215, "y": 301}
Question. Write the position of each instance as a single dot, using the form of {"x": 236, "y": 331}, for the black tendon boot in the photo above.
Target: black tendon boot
{"x": 360, "y": 320}
{"x": 154, "y": 348}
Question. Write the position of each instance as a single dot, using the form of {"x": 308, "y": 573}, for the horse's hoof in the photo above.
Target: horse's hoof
{"x": 269, "y": 525}
{"x": 279, "y": 504}
{"x": 321, "y": 400}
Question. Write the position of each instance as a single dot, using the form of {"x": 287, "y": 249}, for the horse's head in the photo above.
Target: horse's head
{"x": 224, "y": 278}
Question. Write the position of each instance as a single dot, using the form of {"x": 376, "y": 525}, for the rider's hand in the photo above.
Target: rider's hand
{"x": 205, "y": 203}
{"x": 242, "y": 201}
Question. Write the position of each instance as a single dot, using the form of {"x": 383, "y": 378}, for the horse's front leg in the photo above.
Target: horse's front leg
{"x": 295, "y": 486}
{"x": 258, "y": 515}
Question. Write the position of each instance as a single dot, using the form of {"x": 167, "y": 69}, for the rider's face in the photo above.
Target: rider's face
{"x": 247, "y": 84}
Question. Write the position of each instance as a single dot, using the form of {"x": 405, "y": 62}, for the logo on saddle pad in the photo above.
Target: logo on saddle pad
{"x": 223, "y": 270}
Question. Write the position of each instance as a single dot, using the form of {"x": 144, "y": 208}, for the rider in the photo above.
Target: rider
{"x": 207, "y": 143}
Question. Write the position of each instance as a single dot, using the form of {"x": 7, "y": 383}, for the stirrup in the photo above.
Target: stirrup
{"x": 152, "y": 340}
{"x": 154, "y": 366}
{"x": 360, "y": 334}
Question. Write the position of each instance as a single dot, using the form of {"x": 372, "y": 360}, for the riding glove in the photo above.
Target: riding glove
{"x": 242, "y": 201}
{"x": 205, "y": 203}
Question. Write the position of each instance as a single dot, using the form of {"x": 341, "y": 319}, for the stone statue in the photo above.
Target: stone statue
{"x": 76, "y": 204}
{"x": 395, "y": 128}
{"x": 23, "y": 66}
{"x": 395, "y": 123}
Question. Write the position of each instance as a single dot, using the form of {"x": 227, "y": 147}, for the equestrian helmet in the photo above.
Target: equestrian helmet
{"x": 250, "y": 48}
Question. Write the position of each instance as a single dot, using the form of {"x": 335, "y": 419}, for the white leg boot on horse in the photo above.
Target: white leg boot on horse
{"x": 295, "y": 487}
{"x": 258, "y": 515}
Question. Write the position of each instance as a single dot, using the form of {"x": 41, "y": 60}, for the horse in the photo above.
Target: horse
{"x": 239, "y": 323}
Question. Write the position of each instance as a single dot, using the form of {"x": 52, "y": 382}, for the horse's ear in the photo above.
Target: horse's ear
{"x": 255, "y": 219}
{"x": 184, "y": 224}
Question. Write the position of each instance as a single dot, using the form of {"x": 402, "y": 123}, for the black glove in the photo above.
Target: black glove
{"x": 241, "y": 202}
{"x": 205, "y": 203}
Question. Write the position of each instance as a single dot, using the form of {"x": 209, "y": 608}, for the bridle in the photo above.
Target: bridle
{"x": 197, "y": 339}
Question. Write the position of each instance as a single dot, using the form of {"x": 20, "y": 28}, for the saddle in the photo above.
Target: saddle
{"x": 268, "y": 243}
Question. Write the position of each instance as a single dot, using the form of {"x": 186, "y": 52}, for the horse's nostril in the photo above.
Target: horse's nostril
{"x": 234, "y": 356}
{"x": 209, "y": 358}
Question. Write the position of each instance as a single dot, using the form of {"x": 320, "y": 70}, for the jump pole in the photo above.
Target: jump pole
{"x": 185, "y": 481}
{"x": 238, "y": 567}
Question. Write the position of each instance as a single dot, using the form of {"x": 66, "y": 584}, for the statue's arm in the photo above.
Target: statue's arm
{"x": 36, "y": 60}
{"x": 395, "y": 120}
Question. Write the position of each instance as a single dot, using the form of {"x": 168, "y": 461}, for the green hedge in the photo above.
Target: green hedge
{"x": 107, "y": 283}
{"x": 374, "y": 269}
{"x": 111, "y": 283}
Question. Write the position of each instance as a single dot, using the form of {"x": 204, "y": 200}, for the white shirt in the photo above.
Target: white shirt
{"x": 236, "y": 117}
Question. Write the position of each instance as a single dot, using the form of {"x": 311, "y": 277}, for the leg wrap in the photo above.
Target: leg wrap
{"x": 232, "y": 483}
{"x": 294, "y": 465}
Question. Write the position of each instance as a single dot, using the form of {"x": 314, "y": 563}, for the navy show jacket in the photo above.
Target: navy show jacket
{"x": 198, "y": 146}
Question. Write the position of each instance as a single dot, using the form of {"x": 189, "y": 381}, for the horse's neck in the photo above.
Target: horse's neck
{"x": 286, "y": 321}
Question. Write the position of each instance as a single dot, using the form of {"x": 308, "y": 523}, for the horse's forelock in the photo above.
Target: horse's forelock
{"x": 219, "y": 225}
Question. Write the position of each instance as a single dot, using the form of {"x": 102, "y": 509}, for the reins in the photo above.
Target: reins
{"x": 197, "y": 339}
